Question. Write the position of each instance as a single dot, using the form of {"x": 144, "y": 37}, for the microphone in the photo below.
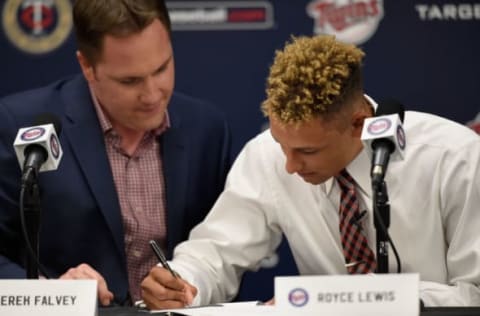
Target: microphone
{"x": 37, "y": 147}
{"x": 384, "y": 138}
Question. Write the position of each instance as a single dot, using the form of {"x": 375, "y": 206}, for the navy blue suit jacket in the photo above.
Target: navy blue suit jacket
{"x": 81, "y": 218}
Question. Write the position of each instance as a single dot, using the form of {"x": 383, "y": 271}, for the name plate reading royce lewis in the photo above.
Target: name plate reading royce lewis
{"x": 48, "y": 297}
{"x": 347, "y": 295}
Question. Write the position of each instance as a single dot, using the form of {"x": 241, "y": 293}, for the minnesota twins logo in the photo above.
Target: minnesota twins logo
{"x": 379, "y": 126}
{"x": 54, "y": 146}
{"x": 37, "y": 26}
{"x": 351, "y": 21}
{"x": 298, "y": 297}
{"x": 32, "y": 134}
{"x": 401, "y": 137}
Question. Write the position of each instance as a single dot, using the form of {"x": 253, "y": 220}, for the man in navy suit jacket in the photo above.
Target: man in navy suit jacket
{"x": 127, "y": 82}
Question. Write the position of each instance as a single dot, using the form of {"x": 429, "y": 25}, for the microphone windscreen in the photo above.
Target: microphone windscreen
{"x": 390, "y": 106}
{"x": 49, "y": 118}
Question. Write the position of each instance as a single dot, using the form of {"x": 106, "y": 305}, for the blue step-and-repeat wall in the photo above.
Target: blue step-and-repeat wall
{"x": 424, "y": 53}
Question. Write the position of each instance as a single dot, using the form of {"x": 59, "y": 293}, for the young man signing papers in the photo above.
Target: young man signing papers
{"x": 308, "y": 176}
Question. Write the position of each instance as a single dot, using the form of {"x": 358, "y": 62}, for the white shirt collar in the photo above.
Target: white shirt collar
{"x": 359, "y": 169}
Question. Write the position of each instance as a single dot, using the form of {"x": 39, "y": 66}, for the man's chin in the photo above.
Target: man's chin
{"x": 149, "y": 124}
{"x": 312, "y": 179}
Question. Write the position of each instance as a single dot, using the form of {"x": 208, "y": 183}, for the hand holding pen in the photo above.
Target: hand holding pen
{"x": 161, "y": 258}
{"x": 164, "y": 288}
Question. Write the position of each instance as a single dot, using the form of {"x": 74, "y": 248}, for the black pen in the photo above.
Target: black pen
{"x": 161, "y": 257}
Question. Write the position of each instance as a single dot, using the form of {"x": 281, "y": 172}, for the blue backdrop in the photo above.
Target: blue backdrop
{"x": 423, "y": 53}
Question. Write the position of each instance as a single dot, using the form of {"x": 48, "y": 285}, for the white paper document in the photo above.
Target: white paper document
{"x": 232, "y": 309}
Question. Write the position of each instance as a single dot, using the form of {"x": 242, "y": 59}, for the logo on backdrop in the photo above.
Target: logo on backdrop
{"x": 298, "y": 297}
{"x": 37, "y": 26}
{"x": 448, "y": 12}
{"x": 221, "y": 15}
{"x": 351, "y": 21}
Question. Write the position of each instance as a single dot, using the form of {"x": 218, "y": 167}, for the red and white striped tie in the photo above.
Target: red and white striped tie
{"x": 359, "y": 258}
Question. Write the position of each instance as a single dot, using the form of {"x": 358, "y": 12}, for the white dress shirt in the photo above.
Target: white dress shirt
{"x": 434, "y": 198}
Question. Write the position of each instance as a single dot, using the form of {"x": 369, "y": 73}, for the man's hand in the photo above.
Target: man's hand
{"x": 86, "y": 272}
{"x": 161, "y": 290}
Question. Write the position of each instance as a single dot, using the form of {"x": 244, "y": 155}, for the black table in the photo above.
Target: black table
{"x": 428, "y": 311}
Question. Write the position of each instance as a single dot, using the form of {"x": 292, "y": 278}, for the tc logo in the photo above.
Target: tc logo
{"x": 37, "y": 26}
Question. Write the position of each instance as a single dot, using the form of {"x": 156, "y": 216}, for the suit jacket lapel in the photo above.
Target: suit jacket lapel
{"x": 175, "y": 167}
{"x": 86, "y": 139}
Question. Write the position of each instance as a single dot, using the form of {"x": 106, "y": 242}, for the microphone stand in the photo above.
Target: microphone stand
{"x": 31, "y": 213}
{"x": 382, "y": 223}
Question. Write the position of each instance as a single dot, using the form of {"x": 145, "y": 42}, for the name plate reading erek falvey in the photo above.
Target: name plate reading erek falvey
{"x": 347, "y": 295}
{"x": 48, "y": 297}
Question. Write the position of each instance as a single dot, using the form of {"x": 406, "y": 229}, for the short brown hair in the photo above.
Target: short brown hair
{"x": 311, "y": 77}
{"x": 94, "y": 19}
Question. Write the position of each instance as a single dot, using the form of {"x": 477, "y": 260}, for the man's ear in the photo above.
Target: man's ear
{"x": 358, "y": 118}
{"x": 364, "y": 111}
{"x": 87, "y": 68}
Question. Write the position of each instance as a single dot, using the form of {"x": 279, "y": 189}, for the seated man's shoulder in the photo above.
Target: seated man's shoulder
{"x": 27, "y": 99}
{"x": 438, "y": 131}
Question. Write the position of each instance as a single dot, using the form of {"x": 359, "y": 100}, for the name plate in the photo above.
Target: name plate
{"x": 48, "y": 297}
{"x": 359, "y": 295}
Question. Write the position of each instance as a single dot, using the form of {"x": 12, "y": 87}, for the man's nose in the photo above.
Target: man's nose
{"x": 293, "y": 164}
{"x": 151, "y": 92}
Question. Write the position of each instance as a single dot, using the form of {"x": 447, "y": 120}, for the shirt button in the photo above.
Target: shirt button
{"x": 136, "y": 253}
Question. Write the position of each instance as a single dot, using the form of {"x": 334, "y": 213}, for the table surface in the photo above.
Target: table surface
{"x": 428, "y": 311}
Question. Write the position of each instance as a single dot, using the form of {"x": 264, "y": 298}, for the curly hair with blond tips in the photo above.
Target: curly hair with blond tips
{"x": 311, "y": 77}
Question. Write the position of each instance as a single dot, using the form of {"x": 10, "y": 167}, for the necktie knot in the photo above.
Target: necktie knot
{"x": 345, "y": 180}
